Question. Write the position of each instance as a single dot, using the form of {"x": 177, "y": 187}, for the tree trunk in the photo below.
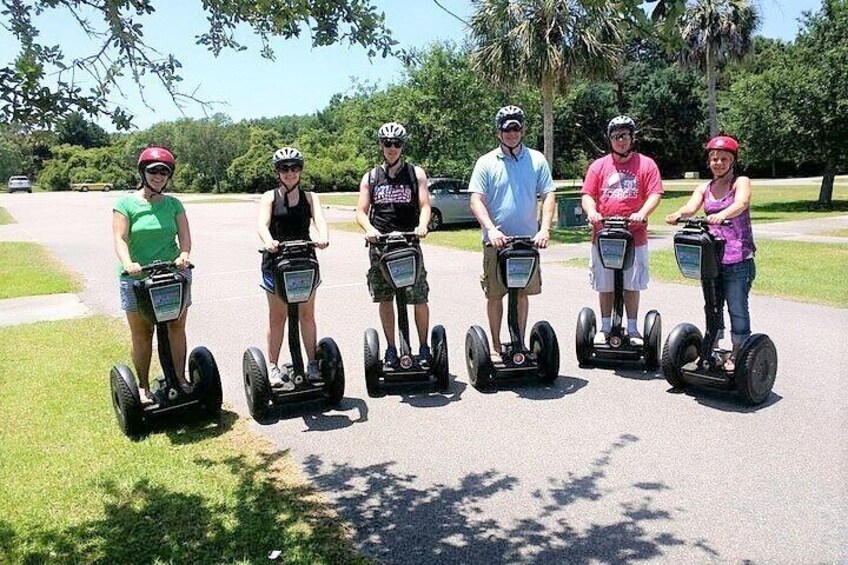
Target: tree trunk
{"x": 711, "y": 92}
{"x": 548, "y": 118}
{"x": 826, "y": 192}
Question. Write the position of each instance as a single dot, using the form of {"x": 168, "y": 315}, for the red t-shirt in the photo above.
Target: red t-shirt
{"x": 620, "y": 189}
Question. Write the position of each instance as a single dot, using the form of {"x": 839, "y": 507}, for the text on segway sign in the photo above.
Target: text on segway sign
{"x": 167, "y": 301}
{"x": 688, "y": 260}
{"x": 518, "y": 271}
{"x": 403, "y": 271}
{"x": 612, "y": 252}
{"x": 299, "y": 285}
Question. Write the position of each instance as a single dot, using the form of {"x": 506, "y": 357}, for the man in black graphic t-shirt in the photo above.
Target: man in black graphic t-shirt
{"x": 394, "y": 197}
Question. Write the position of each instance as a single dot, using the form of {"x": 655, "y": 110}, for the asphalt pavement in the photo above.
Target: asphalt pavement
{"x": 602, "y": 466}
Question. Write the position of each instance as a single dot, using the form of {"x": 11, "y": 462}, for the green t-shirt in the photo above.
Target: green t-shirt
{"x": 153, "y": 228}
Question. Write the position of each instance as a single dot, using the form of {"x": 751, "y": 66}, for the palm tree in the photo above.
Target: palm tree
{"x": 714, "y": 32}
{"x": 545, "y": 43}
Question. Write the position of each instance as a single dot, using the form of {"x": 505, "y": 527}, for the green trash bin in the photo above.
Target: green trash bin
{"x": 570, "y": 212}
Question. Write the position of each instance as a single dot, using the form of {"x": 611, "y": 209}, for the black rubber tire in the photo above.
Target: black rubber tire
{"x": 373, "y": 363}
{"x": 332, "y": 370}
{"x": 477, "y": 359}
{"x": 257, "y": 387}
{"x": 585, "y": 336}
{"x": 653, "y": 340}
{"x": 682, "y": 346}
{"x": 84, "y": 189}
{"x": 435, "y": 220}
{"x": 204, "y": 375}
{"x": 439, "y": 341}
{"x": 126, "y": 401}
{"x": 756, "y": 368}
{"x": 543, "y": 342}
{"x": 107, "y": 188}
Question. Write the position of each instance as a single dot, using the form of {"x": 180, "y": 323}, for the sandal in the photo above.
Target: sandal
{"x": 730, "y": 365}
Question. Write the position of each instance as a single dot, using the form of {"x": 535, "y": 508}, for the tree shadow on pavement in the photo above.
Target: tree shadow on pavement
{"x": 399, "y": 520}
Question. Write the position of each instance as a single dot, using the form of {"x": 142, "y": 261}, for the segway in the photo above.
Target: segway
{"x": 296, "y": 276}
{"x": 517, "y": 262}
{"x": 400, "y": 264}
{"x": 690, "y": 358}
{"x": 161, "y": 297}
{"x": 615, "y": 247}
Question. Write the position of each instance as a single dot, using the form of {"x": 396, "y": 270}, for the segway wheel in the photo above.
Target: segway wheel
{"x": 756, "y": 368}
{"x": 257, "y": 387}
{"x": 332, "y": 370}
{"x": 126, "y": 401}
{"x": 438, "y": 338}
{"x": 477, "y": 358}
{"x": 204, "y": 375}
{"x": 543, "y": 342}
{"x": 682, "y": 346}
{"x": 373, "y": 364}
{"x": 653, "y": 340}
{"x": 585, "y": 335}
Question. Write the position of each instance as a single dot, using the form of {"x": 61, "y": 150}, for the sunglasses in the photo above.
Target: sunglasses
{"x": 512, "y": 129}
{"x": 159, "y": 171}
{"x": 287, "y": 168}
{"x": 620, "y": 136}
{"x": 392, "y": 143}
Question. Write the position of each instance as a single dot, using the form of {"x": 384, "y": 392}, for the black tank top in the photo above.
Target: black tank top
{"x": 288, "y": 223}
{"x": 394, "y": 201}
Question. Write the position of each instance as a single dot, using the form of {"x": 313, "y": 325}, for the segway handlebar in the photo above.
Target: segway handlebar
{"x": 292, "y": 245}
{"x": 525, "y": 239}
{"x": 395, "y": 237}
{"x": 699, "y": 222}
{"x": 619, "y": 222}
{"x": 158, "y": 267}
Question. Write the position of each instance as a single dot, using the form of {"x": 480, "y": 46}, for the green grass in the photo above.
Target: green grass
{"x": 835, "y": 233}
{"x": 29, "y": 269}
{"x": 6, "y": 217}
{"x": 345, "y": 199}
{"x": 73, "y": 489}
{"x": 222, "y": 200}
{"x": 783, "y": 269}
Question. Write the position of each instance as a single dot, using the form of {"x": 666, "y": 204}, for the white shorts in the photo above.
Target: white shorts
{"x": 635, "y": 278}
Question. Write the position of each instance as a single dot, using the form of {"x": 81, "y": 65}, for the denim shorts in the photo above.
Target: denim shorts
{"x": 128, "y": 299}
{"x": 267, "y": 282}
{"x": 635, "y": 278}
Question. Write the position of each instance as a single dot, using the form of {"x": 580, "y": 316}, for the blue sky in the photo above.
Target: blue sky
{"x": 301, "y": 80}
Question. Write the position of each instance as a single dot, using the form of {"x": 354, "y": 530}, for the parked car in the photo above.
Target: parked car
{"x": 19, "y": 183}
{"x": 450, "y": 202}
{"x": 87, "y": 185}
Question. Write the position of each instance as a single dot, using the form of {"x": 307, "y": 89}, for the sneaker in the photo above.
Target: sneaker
{"x": 391, "y": 358}
{"x": 424, "y": 356}
{"x": 635, "y": 339}
{"x": 313, "y": 373}
{"x": 601, "y": 338}
{"x": 279, "y": 380}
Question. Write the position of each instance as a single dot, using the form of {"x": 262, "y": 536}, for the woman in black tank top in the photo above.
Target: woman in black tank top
{"x": 285, "y": 214}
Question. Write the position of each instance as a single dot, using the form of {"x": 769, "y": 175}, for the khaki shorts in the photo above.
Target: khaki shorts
{"x": 382, "y": 291}
{"x": 491, "y": 282}
{"x": 635, "y": 278}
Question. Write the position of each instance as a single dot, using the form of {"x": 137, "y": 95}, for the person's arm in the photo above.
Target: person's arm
{"x": 649, "y": 206}
{"x": 319, "y": 220}
{"x": 591, "y": 185}
{"x": 741, "y": 202}
{"x": 542, "y": 238}
{"x": 423, "y": 203}
{"x": 690, "y": 208}
{"x": 478, "y": 208}
{"x": 363, "y": 205}
{"x": 120, "y": 236}
{"x": 184, "y": 239}
{"x": 266, "y": 203}
{"x": 654, "y": 188}
{"x": 590, "y": 209}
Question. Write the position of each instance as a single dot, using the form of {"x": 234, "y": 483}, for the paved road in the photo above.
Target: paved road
{"x": 602, "y": 466}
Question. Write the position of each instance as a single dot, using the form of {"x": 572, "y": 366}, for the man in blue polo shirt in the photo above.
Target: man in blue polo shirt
{"x": 505, "y": 186}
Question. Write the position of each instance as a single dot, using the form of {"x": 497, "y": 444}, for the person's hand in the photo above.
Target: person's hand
{"x": 672, "y": 218}
{"x": 421, "y": 231}
{"x": 181, "y": 262}
{"x": 132, "y": 269}
{"x": 638, "y": 217}
{"x": 272, "y": 247}
{"x": 321, "y": 243}
{"x": 371, "y": 234}
{"x": 496, "y": 237}
{"x": 542, "y": 238}
{"x": 716, "y": 218}
{"x": 595, "y": 217}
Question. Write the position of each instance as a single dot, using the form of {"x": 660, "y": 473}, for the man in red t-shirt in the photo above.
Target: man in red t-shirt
{"x": 623, "y": 183}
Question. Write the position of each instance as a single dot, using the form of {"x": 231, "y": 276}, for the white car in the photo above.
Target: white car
{"x": 450, "y": 202}
{"x": 19, "y": 183}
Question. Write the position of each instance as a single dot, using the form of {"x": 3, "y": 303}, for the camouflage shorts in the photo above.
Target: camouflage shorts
{"x": 382, "y": 291}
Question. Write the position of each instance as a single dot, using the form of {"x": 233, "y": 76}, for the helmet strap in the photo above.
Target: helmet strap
{"x": 288, "y": 188}
{"x": 623, "y": 155}
{"x": 392, "y": 164}
{"x": 511, "y": 149}
{"x": 147, "y": 185}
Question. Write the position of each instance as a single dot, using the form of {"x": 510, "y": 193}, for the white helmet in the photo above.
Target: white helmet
{"x": 621, "y": 122}
{"x": 392, "y": 130}
{"x": 507, "y": 115}
{"x": 287, "y": 155}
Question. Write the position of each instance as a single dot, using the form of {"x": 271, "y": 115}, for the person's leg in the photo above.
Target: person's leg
{"x": 631, "y": 306}
{"x": 737, "y": 286}
{"x": 177, "y": 339}
{"x": 635, "y": 281}
{"x": 141, "y": 332}
{"x": 422, "y": 322}
{"x": 495, "y": 291}
{"x": 308, "y": 329}
{"x": 494, "y": 311}
{"x": 387, "y": 320}
{"x": 277, "y": 316}
{"x": 601, "y": 280}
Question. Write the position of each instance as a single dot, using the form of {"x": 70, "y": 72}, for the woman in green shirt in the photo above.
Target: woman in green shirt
{"x": 148, "y": 226}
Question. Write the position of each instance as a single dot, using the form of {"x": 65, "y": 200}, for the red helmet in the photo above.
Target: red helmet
{"x": 155, "y": 156}
{"x": 724, "y": 143}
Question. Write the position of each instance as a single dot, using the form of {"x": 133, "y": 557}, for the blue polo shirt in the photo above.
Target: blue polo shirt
{"x": 511, "y": 187}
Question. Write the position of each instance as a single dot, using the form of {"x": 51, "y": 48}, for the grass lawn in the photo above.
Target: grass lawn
{"x": 6, "y": 217}
{"x": 339, "y": 199}
{"x": 73, "y": 489}
{"x": 835, "y": 233}
{"x": 29, "y": 269}
{"x": 783, "y": 269}
{"x": 222, "y": 200}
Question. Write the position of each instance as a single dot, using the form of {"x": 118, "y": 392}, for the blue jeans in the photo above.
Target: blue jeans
{"x": 734, "y": 285}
